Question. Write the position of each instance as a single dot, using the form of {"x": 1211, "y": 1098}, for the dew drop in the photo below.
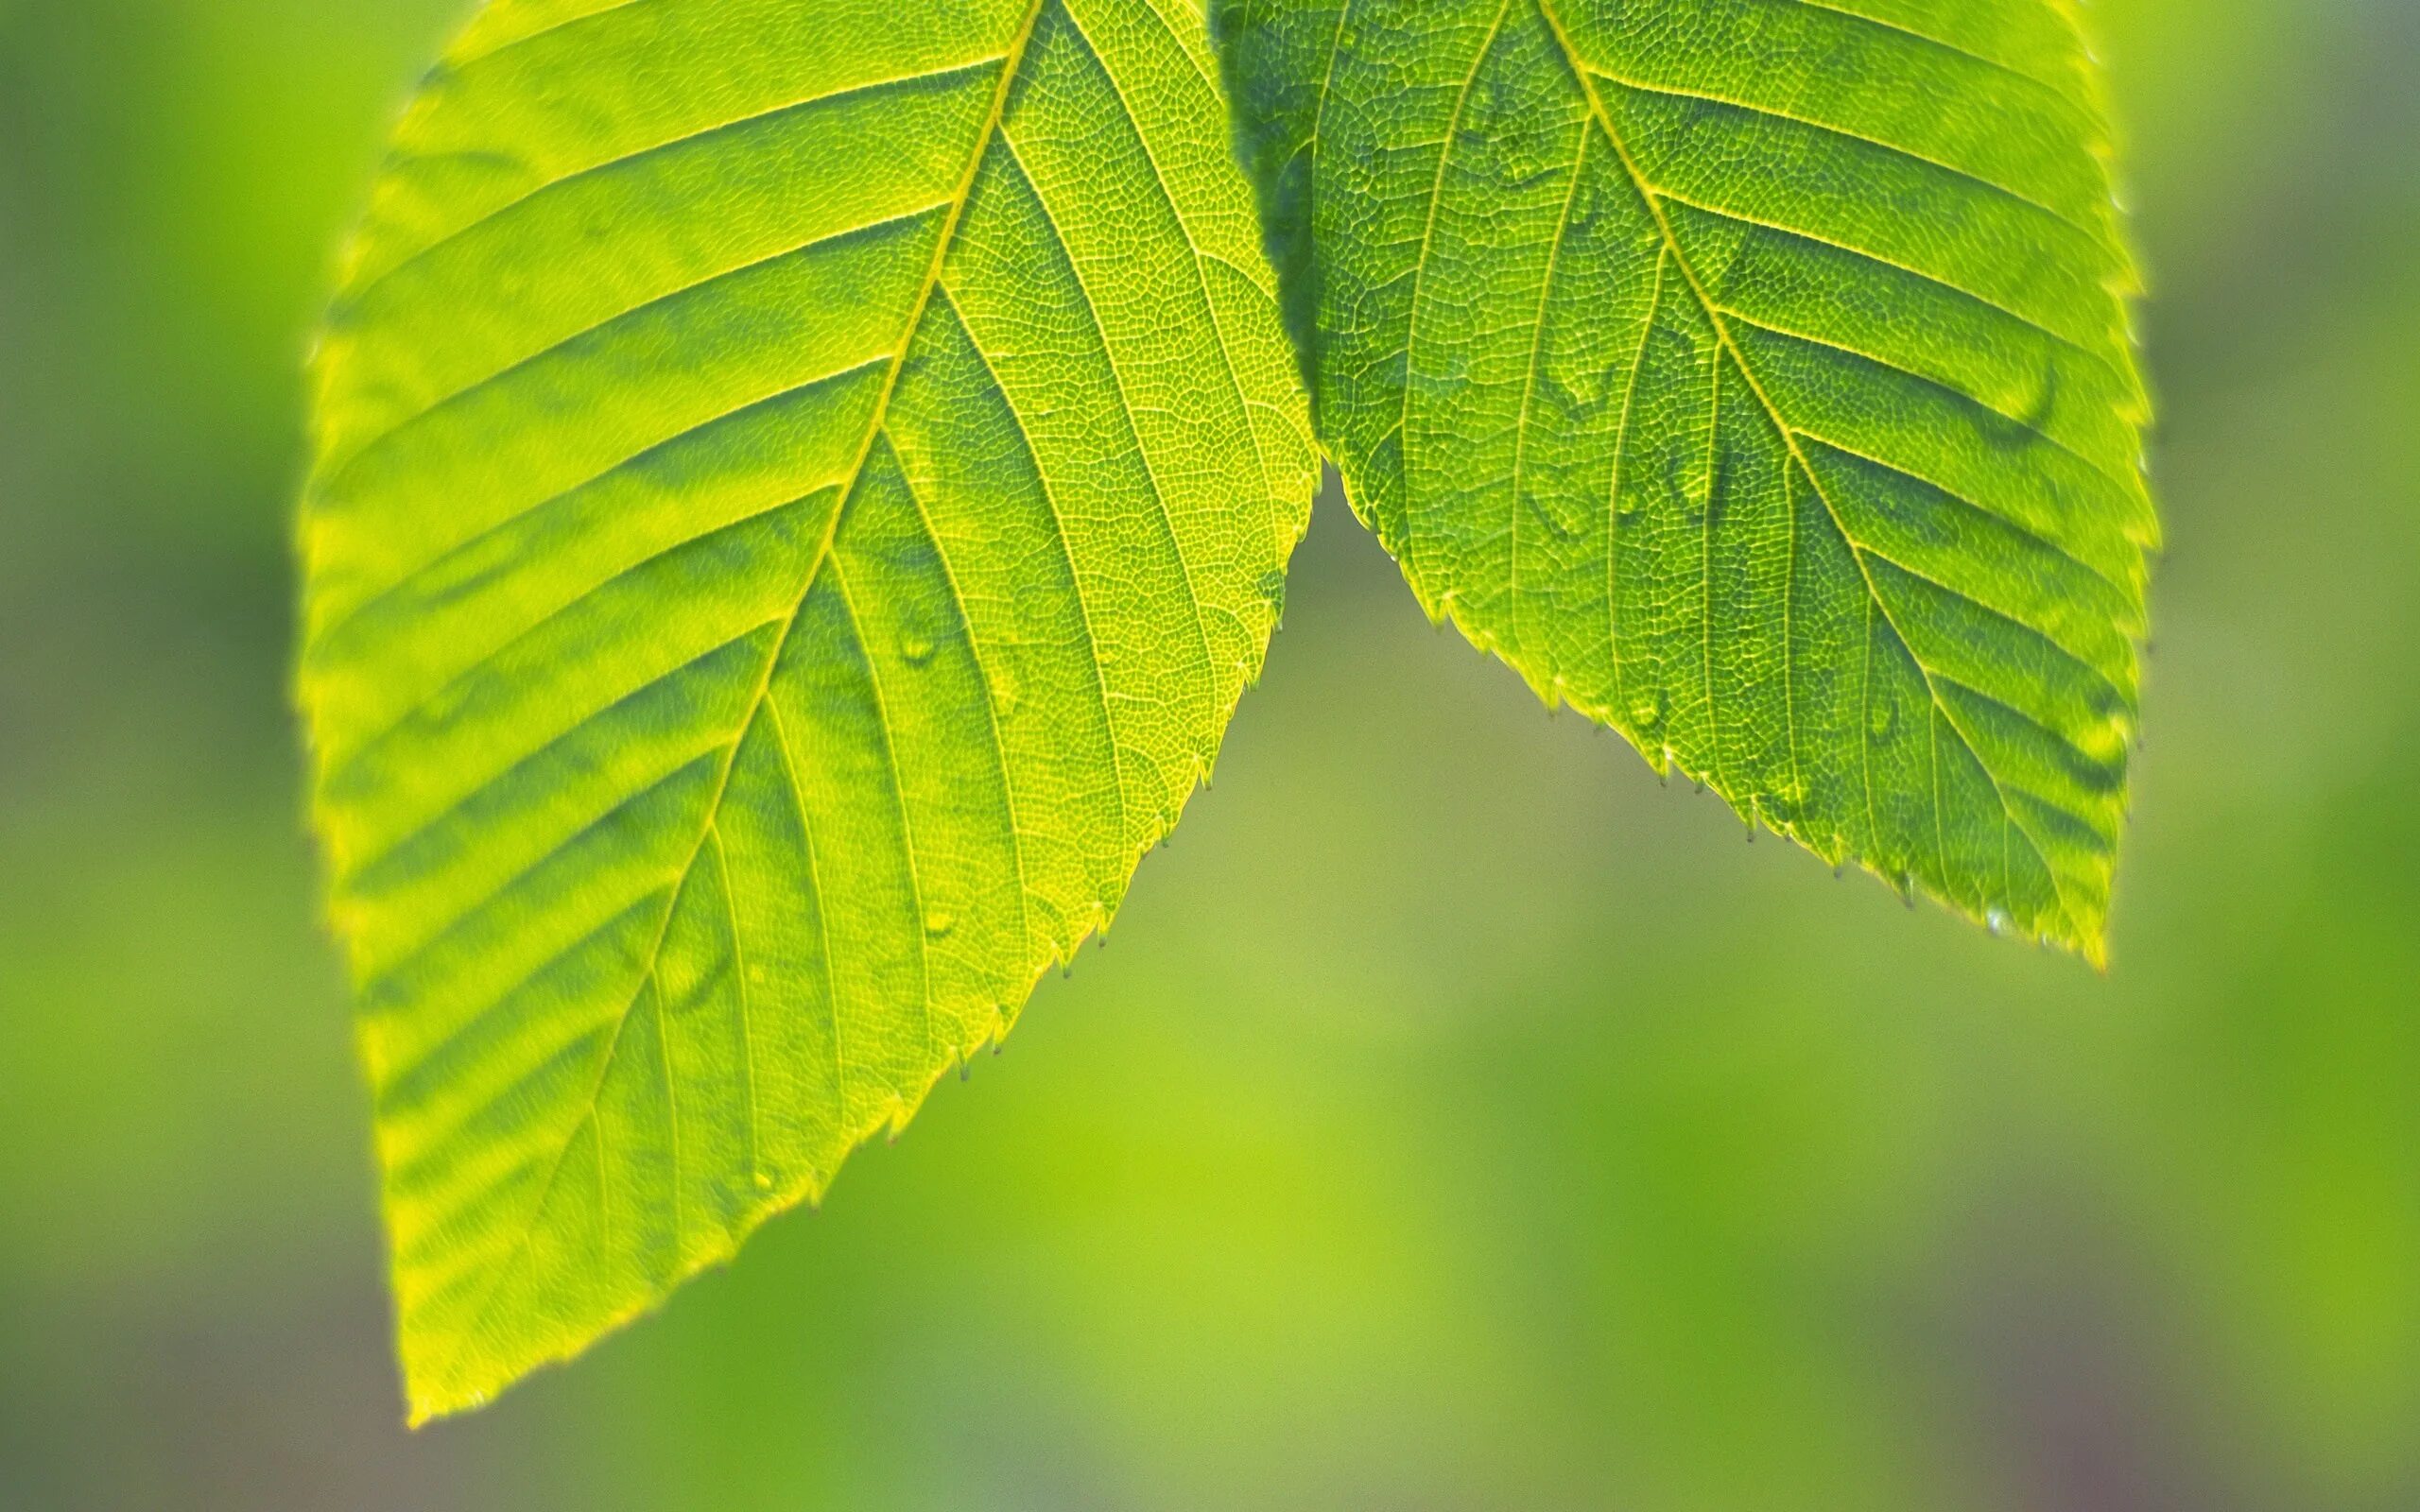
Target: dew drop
{"x": 764, "y": 1180}
{"x": 918, "y": 649}
{"x": 1883, "y": 718}
{"x": 1587, "y": 203}
{"x": 1997, "y": 921}
{"x": 1647, "y": 712}
{"x": 1562, "y": 529}
{"x": 938, "y": 923}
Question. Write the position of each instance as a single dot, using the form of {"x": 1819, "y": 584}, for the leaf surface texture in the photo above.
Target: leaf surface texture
{"x": 799, "y": 489}
{"x": 1754, "y": 376}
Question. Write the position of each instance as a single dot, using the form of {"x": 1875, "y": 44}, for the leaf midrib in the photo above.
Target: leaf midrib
{"x": 1012, "y": 66}
{"x": 1649, "y": 195}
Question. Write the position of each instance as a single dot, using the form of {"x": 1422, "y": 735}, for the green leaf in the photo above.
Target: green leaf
{"x": 1754, "y": 376}
{"x": 799, "y": 489}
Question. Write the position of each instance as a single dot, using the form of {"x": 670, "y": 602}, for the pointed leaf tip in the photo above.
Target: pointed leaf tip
{"x": 785, "y": 529}
{"x": 1764, "y": 368}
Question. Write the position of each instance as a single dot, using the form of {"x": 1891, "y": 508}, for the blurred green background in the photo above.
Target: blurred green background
{"x": 1458, "y": 1119}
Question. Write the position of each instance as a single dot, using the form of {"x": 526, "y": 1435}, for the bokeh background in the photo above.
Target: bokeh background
{"x": 1458, "y": 1119}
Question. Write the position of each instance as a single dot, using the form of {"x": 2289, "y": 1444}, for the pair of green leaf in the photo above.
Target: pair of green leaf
{"x": 801, "y": 485}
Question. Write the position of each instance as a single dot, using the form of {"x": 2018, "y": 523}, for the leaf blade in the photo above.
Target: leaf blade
{"x": 761, "y": 599}
{"x": 1755, "y": 378}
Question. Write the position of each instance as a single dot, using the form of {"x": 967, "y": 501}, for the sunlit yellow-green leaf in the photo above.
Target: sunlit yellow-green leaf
{"x": 1754, "y": 376}
{"x": 799, "y": 487}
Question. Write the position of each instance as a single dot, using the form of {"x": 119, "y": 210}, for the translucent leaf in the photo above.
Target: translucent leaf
{"x": 799, "y": 489}
{"x": 1753, "y": 376}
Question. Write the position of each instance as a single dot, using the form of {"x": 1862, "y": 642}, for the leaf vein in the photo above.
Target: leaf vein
{"x": 1649, "y": 195}
{"x": 354, "y": 295}
{"x": 1792, "y": 118}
